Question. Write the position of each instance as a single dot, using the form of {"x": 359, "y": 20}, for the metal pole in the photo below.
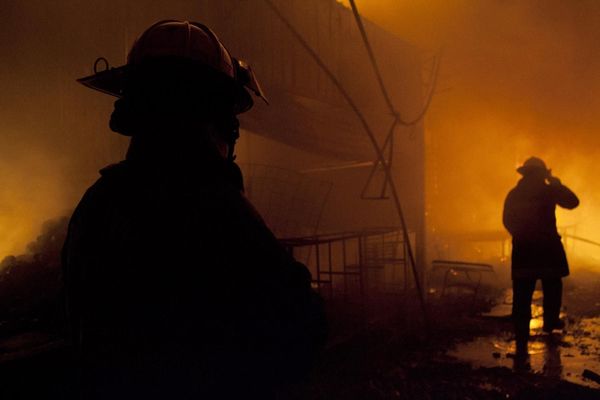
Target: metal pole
{"x": 367, "y": 128}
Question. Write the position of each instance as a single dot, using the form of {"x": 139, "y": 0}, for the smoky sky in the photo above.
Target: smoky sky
{"x": 518, "y": 78}
{"x": 53, "y": 135}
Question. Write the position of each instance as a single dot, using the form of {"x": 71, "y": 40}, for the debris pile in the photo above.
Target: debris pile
{"x": 30, "y": 283}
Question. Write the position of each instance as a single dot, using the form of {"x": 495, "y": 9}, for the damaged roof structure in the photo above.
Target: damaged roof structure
{"x": 307, "y": 128}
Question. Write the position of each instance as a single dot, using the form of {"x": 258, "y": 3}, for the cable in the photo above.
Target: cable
{"x": 371, "y": 54}
{"x": 363, "y": 34}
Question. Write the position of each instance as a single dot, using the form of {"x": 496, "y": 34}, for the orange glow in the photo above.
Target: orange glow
{"x": 517, "y": 80}
{"x": 32, "y": 191}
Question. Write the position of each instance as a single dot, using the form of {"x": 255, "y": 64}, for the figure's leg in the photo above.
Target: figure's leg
{"x": 521, "y": 311}
{"x": 552, "y": 301}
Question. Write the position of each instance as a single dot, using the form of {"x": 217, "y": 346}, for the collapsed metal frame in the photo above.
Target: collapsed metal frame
{"x": 464, "y": 268}
{"x": 353, "y": 257}
{"x": 379, "y": 151}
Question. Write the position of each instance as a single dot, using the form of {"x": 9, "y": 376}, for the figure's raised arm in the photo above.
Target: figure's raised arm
{"x": 563, "y": 195}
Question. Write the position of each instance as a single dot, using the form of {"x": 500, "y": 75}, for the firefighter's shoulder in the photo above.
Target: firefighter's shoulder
{"x": 114, "y": 169}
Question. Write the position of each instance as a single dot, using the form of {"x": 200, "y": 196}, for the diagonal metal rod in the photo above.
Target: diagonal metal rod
{"x": 363, "y": 33}
{"x": 584, "y": 240}
{"x": 388, "y": 142}
{"x": 397, "y": 118}
{"x": 382, "y": 86}
{"x": 367, "y": 128}
{"x": 386, "y": 163}
{"x": 390, "y": 160}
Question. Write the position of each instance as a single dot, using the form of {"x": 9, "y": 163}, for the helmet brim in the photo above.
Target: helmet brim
{"x": 528, "y": 169}
{"x": 112, "y": 82}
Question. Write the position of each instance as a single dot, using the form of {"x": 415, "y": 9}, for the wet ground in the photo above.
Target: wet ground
{"x": 381, "y": 348}
{"x": 467, "y": 350}
{"x": 561, "y": 355}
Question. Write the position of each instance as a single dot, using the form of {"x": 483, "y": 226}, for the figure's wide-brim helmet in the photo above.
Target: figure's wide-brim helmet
{"x": 533, "y": 164}
{"x": 184, "y": 40}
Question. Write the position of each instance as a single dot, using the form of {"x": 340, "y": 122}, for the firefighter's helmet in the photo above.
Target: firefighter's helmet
{"x": 533, "y": 164}
{"x": 182, "y": 40}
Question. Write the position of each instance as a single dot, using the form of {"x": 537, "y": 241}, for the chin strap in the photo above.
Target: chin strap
{"x": 231, "y": 133}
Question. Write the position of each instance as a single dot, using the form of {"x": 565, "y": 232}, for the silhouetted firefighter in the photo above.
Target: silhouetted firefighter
{"x": 176, "y": 288}
{"x": 537, "y": 251}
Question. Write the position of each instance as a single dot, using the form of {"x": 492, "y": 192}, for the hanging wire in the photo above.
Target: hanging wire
{"x": 382, "y": 87}
{"x": 398, "y": 120}
{"x": 380, "y": 156}
{"x": 365, "y": 39}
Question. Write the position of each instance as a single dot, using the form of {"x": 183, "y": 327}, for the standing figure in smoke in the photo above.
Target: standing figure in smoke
{"x": 175, "y": 286}
{"x": 537, "y": 253}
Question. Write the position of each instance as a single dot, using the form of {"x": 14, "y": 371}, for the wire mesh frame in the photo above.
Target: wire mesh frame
{"x": 384, "y": 253}
{"x": 334, "y": 262}
{"x": 355, "y": 262}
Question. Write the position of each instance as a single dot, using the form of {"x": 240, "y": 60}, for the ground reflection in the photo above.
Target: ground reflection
{"x": 560, "y": 355}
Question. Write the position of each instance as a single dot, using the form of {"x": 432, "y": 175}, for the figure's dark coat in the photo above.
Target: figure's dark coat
{"x": 529, "y": 216}
{"x": 177, "y": 288}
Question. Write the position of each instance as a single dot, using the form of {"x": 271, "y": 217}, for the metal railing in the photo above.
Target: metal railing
{"x": 357, "y": 262}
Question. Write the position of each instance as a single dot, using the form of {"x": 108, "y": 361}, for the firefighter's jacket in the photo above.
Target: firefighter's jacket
{"x": 529, "y": 216}
{"x": 175, "y": 284}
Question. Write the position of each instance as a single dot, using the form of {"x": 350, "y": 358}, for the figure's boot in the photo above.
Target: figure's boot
{"x": 550, "y": 326}
{"x": 552, "y": 304}
{"x": 521, "y": 338}
{"x": 521, "y": 348}
{"x": 521, "y": 360}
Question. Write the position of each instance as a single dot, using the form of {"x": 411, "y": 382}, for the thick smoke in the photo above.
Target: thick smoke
{"x": 518, "y": 78}
{"x": 30, "y": 283}
{"x": 53, "y": 135}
